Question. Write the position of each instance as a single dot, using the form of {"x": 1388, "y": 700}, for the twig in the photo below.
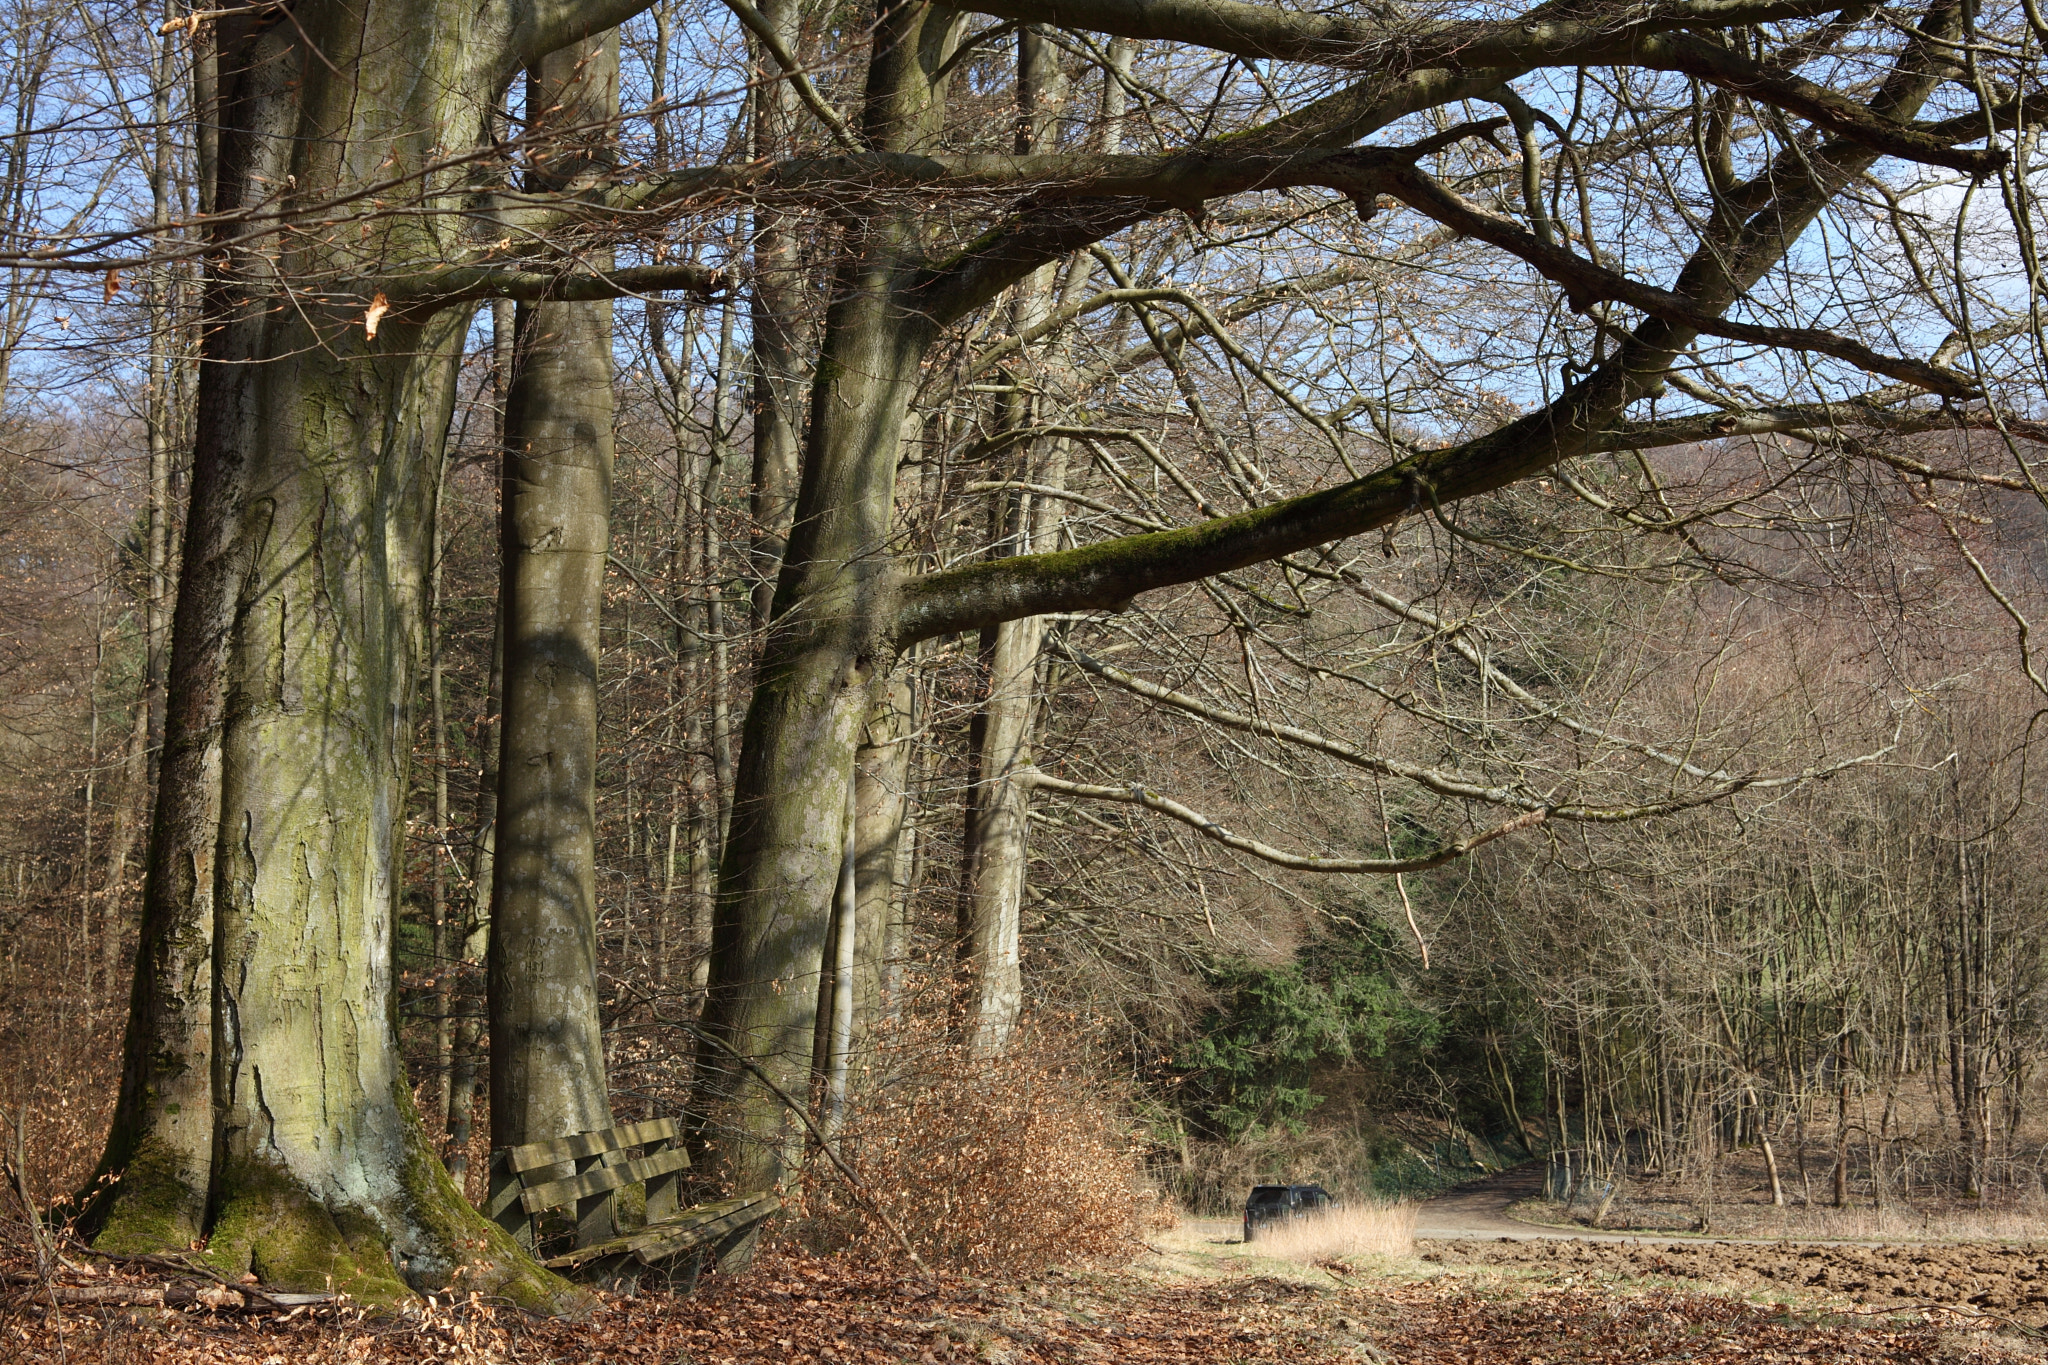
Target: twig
{"x": 13, "y": 1167}
{"x": 178, "y": 1265}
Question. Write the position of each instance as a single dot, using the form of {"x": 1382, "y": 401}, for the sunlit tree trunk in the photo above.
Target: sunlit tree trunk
{"x": 881, "y": 773}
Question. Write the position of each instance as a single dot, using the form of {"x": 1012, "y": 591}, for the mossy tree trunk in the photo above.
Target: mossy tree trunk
{"x": 264, "y": 1103}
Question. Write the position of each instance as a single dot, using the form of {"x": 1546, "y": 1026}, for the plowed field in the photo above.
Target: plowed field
{"x": 2010, "y": 1282}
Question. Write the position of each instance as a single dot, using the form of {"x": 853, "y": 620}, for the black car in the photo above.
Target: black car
{"x": 1283, "y": 1203}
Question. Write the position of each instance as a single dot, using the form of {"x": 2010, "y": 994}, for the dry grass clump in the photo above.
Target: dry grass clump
{"x": 1360, "y": 1229}
{"x": 986, "y": 1165}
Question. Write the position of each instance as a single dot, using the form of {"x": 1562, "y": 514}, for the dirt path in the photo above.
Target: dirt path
{"x": 1479, "y": 1208}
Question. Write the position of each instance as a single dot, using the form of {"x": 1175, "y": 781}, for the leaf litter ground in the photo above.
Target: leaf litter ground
{"x": 794, "y": 1309}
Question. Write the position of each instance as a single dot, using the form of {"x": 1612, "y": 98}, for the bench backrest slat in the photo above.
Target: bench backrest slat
{"x": 600, "y": 1179}
{"x": 553, "y": 1152}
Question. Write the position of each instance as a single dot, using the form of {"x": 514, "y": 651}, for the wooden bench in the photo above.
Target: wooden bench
{"x": 583, "y": 1174}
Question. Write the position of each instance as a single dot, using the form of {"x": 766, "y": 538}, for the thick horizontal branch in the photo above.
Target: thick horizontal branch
{"x": 1108, "y": 575}
{"x": 1265, "y": 31}
{"x": 1607, "y": 35}
{"x": 468, "y": 283}
{"x": 1181, "y": 178}
{"x": 1135, "y": 795}
{"x": 1184, "y": 178}
{"x": 1189, "y": 179}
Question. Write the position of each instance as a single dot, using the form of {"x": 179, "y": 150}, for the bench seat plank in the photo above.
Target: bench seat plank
{"x": 709, "y": 1233}
{"x": 555, "y": 1151}
{"x": 600, "y": 1179}
{"x": 693, "y": 1227}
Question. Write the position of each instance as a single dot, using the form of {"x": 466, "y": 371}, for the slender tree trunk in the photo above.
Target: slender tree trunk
{"x": 777, "y": 302}
{"x": 547, "y": 1054}
{"x": 159, "y": 411}
{"x": 999, "y": 807}
{"x": 445, "y": 959}
{"x": 712, "y": 801}
{"x": 469, "y": 1032}
{"x": 1841, "y": 1175}
{"x": 1001, "y": 814}
{"x": 160, "y": 1148}
{"x": 880, "y": 772}
{"x": 782, "y": 857}
{"x": 83, "y": 964}
{"x": 833, "y": 1045}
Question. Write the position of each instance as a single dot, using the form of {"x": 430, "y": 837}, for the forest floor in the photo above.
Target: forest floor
{"x": 1192, "y": 1295}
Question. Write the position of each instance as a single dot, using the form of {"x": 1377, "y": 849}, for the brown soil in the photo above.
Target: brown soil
{"x": 1998, "y": 1281}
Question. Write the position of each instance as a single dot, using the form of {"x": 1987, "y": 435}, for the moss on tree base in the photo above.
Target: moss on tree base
{"x": 146, "y": 1208}
{"x": 267, "y": 1223}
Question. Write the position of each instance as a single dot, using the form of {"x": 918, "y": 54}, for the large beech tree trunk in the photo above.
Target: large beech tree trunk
{"x": 782, "y": 855}
{"x": 547, "y": 1052}
{"x": 323, "y": 1169}
{"x": 264, "y": 1102}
